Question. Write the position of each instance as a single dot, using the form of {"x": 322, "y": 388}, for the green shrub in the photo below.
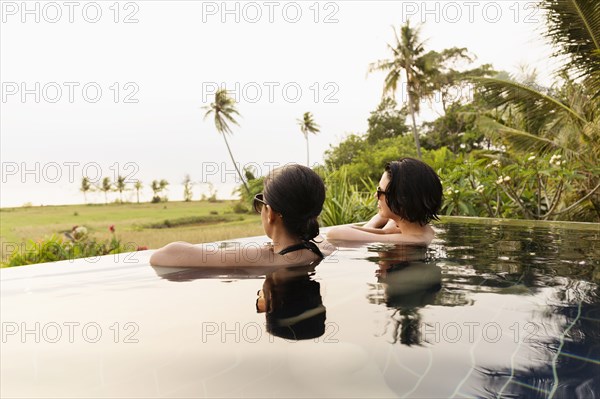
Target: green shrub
{"x": 525, "y": 186}
{"x": 240, "y": 207}
{"x": 344, "y": 202}
{"x": 73, "y": 245}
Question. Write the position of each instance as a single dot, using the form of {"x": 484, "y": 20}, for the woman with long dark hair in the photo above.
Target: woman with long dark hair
{"x": 292, "y": 200}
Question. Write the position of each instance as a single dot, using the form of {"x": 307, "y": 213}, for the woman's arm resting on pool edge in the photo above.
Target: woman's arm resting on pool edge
{"x": 389, "y": 228}
{"x": 377, "y": 225}
{"x": 351, "y": 233}
{"x": 376, "y": 222}
{"x": 183, "y": 254}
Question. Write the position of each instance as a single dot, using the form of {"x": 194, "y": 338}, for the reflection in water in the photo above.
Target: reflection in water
{"x": 546, "y": 277}
{"x": 406, "y": 282}
{"x": 538, "y": 285}
{"x": 223, "y": 273}
{"x": 572, "y": 369}
{"x": 292, "y": 304}
{"x": 290, "y": 297}
{"x": 560, "y": 265}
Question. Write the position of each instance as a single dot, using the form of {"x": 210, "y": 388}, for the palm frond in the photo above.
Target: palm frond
{"x": 574, "y": 27}
{"x": 390, "y": 84}
{"x": 525, "y": 142}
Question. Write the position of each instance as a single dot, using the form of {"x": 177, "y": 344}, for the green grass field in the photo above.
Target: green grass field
{"x": 21, "y": 224}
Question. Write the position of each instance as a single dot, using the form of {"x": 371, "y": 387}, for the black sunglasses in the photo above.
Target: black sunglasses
{"x": 258, "y": 203}
{"x": 380, "y": 192}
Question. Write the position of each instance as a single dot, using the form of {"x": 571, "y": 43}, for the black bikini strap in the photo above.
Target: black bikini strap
{"x": 311, "y": 246}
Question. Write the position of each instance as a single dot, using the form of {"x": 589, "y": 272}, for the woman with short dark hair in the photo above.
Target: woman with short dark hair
{"x": 409, "y": 197}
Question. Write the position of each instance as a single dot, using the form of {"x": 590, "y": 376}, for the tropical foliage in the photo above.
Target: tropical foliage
{"x": 563, "y": 119}
{"x": 346, "y": 202}
{"x": 515, "y": 149}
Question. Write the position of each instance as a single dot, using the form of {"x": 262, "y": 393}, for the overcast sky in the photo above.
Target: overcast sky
{"x": 98, "y": 89}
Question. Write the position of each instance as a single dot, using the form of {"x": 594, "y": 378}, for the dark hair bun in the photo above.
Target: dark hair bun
{"x": 298, "y": 193}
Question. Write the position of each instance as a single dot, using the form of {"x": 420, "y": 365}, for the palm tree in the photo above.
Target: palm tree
{"x": 162, "y": 184}
{"x": 408, "y": 57}
{"x": 307, "y": 125}
{"x": 187, "y": 188}
{"x": 562, "y": 119}
{"x": 155, "y": 186}
{"x": 224, "y": 111}
{"x": 106, "y": 187}
{"x": 120, "y": 186}
{"x": 138, "y": 186}
{"x": 85, "y": 187}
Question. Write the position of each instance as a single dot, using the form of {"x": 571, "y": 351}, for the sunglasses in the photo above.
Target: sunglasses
{"x": 258, "y": 203}
{"x": 379, "y": 192}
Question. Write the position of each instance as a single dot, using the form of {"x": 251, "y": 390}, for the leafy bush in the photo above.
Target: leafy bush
{"x": 364, "y": 160}
{"x": 497, "y": 185}
{"x": 344, "y": 202}
{"x": 240, "y": 207}
{"x": 73, "y": 245}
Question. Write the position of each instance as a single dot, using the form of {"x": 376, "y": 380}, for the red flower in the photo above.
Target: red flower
{"x": 142, "y": 248}
{"x": 111, "y": 228}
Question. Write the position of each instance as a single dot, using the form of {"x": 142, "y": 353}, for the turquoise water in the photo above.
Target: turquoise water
{"x": 488, "y": 310}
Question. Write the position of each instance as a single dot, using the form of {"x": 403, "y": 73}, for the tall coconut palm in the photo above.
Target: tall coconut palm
{"x": 408, "y": 56}
{"x": 307, "y": 125}
{"x": 224, "y": 111}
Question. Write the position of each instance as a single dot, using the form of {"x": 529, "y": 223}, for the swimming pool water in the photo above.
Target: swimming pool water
{"x": 488, "y": 310}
